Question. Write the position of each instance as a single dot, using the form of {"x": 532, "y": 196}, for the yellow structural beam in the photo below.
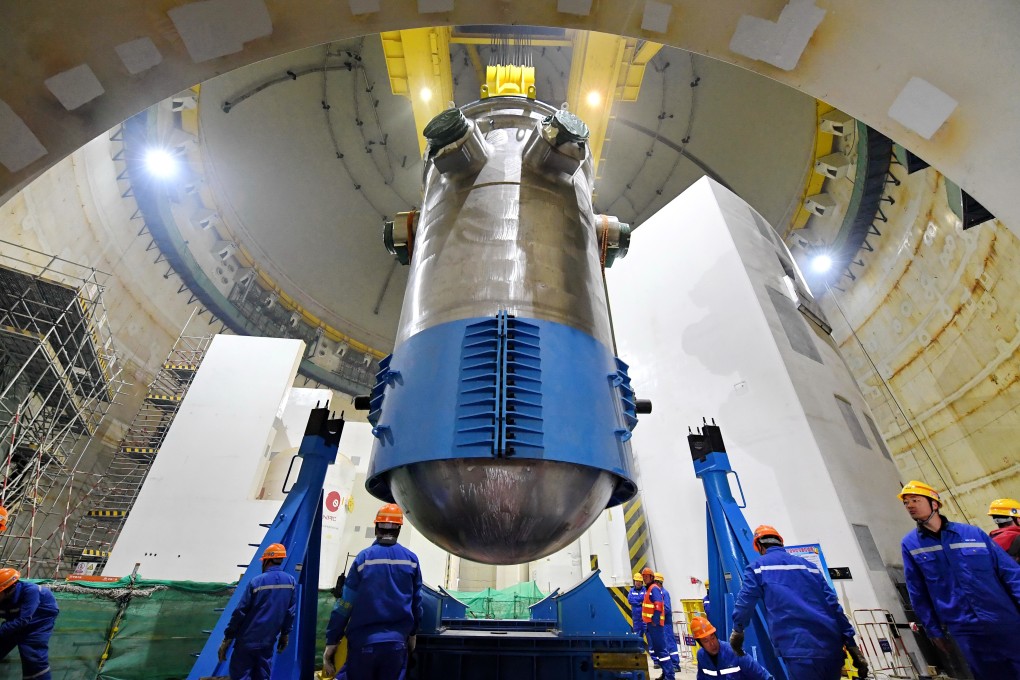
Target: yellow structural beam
{"x": 604, "y": 68}
{"x": 418, "y": 63}
{"x": 636, "y": 55}
{"x": 825, "y": 143}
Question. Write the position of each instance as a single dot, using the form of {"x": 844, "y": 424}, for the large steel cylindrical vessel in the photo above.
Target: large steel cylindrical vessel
{"x": 503, "y": 417}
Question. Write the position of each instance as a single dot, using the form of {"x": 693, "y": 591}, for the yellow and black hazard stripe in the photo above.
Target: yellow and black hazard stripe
{"x": 639, "y": 543}
{"x": 146, "y": 450}
{"x": 181, "y": 367}
{"x": 619, "y": 595}
{"x": 107, "y": 513}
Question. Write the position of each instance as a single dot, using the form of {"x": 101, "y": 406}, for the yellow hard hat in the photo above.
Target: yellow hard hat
{"x": 658, "y": 577}
{"x": 916, "y": 488}
{"x": 1004, "y": 507}
{"x": 637, "y": 577}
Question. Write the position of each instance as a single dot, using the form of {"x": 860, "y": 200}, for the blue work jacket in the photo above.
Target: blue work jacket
{"x": 381, "y": 600}
{"x": 729, "y": 666}
{"x": 961, "y": 582}
{"x": 30, "y": 607}
{"x": 266, "y": 610}
{"x": 802, "y": 612}
{"x": 636, "y": 596}
{"x": 667, "y": 606}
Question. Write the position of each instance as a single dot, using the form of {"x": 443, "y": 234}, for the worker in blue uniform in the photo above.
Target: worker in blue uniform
{"x": 671, "y": 644}
{"x": 653, "y": 613}
{"x": 29, "y": 612}
{"x": 717, "y": 659}
{"x": 961, "y": 583}
{"x": 262, "y": 620}
{"x": 806, "y": 623}
{"x": 636, "y": 596}
{"x": 380, "y": 609}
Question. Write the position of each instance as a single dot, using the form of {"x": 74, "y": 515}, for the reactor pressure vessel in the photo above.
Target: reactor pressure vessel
{"x": 503, "y": 417}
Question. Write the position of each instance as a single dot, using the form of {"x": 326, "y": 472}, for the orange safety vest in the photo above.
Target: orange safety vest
{"x": 648, "y": 608}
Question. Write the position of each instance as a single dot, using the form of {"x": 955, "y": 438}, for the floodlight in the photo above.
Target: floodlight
{"x": 160, "y": 163}
{"x": 821, "y": 264}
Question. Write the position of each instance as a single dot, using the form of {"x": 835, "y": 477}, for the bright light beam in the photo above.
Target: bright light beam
{"x": 821, "y": 264}
{"x": 161, "y": 163}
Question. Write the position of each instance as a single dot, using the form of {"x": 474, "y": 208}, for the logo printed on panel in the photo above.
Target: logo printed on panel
{"x": 333, "y": 501}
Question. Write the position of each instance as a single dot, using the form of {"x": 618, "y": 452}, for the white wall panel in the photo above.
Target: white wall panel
{"x": 197, "y": 510}
{"x": 695, "y": 320}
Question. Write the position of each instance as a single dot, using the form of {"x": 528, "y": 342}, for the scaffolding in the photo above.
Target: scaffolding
{"x": 111, "y": 497}
{"x": 59, "y": 376}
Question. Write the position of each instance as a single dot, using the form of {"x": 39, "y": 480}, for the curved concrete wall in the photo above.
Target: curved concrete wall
{"x": 858, "y": 56}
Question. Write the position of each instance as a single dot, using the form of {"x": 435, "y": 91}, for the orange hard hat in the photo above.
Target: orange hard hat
{"x": 3, "y": 518}
{"x": 763, "y": 531}
{"x": 8, "y": 577}
{"x": 647, "y": 571}
{"x": 389, "y": 514}
{"x": 274, "y": 552}
{"x": 701, "y": 627}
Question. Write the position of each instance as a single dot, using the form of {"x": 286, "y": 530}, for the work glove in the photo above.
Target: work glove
{"x": 860, "y": 663}
{"x": 737, "y": 642}
{"x": 328, "y": 669}
{"x": 224, "y": 646}
{"x": 282, "y": 644}
{"x": 412, "y": 642}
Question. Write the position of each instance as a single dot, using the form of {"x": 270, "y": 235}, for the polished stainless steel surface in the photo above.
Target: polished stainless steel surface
{"x": 517, "y": 235}
{"x": 501, "y": 511}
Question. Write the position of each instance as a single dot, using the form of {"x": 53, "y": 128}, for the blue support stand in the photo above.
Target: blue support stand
{"x": 578, "y": 634}
{"x": 730, "y": 547}
{"x": 298, "y": 527}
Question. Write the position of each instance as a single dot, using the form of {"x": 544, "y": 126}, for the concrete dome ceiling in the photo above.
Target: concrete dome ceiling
{"x": 313, "y": 219}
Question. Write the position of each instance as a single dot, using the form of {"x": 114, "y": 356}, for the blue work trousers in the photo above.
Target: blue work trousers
{"x": 640, "y": 629}
{"x": 991, "y": 656}
{"x": 251, "y": 664}
{"x": 830, "y": 668}
{"x": 33, "y": 645}
{"x": 377, "y": 661}
{"x": 674, "y": 649}
{"x": 660, "y": 653}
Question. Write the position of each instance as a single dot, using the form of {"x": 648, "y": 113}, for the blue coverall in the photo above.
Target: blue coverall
{"x": 671, "y": 644}
{"x": 266, "y": 610}
{"x": 806, "y": 623}
{"x": 653, "y": 613}
{"x": 636, "y": 596}
{"x": 379, "y": 609}
{"x": 960, "y": 582}
{"x": 29, "y": 614}
{"x": 727, "y": 665}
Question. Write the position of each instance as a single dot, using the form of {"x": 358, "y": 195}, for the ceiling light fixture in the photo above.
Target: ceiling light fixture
{"x": 821, "y": 264}
{"x": 425, "y": 94}
{"x": 160, "y": 163}
{"x": 593, "y": 98}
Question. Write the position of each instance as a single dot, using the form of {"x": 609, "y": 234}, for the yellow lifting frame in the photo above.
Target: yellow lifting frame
{"x": 418, "y": 64}
{"x": 604, "y": 68}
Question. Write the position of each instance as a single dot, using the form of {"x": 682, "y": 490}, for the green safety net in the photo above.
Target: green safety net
{"x": 506, "y": 603}
{"x": 158, "y": 634}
